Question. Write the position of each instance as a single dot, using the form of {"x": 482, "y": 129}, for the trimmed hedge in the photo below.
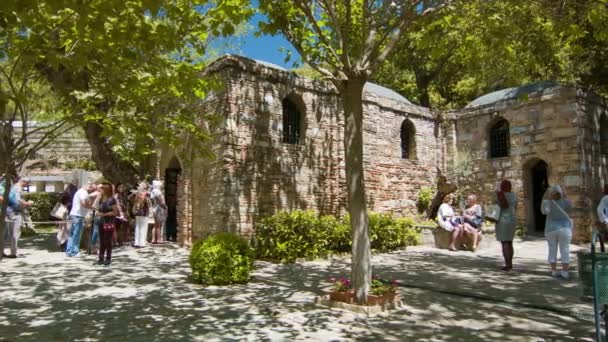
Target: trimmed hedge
{"x": 221, "y": 259}
{"x": 44, "y": 202}
{"x": 287, "y": 236}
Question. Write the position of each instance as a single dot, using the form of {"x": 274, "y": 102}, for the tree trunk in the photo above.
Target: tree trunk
{"x": 352, "y": 96}
{"x": 444, "y": 187}
{"x": 106, "y": 160}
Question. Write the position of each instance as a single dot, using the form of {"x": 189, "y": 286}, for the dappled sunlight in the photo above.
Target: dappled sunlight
{"x": 147, "y": 295}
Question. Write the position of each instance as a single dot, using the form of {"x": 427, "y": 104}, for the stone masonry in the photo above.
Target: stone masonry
{"x": 255, "y": 174}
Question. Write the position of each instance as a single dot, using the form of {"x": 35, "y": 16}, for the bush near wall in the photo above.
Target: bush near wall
{"x": 287, "y": 236}
{"x": 221, "y": 259}
{"x": 44, "y": 202}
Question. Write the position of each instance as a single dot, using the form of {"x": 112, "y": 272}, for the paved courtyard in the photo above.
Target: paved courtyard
{"x": 146, "y": 296}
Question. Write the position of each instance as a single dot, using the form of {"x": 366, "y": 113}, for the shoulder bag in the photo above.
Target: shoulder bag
{"x": 493, "y": 215}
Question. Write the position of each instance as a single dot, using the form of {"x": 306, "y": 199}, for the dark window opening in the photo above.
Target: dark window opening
{"x": 291, "y": 122}
{"x": 408, "y": 142}
{"x": 499, "y": 139}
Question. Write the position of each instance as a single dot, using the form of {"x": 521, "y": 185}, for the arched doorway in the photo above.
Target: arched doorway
{"x": 172, "y": 173}
{"x": 537, "y": 175}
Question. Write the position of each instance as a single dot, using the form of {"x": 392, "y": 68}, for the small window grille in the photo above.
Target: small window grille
{"x": 291, "y": 123}
{"x": 499, "y": 139}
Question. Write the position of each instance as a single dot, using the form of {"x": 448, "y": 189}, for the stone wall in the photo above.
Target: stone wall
{"x": 256, "y": 174}
{"x": 547, "y": 126}
{"x": 593, "y": 113}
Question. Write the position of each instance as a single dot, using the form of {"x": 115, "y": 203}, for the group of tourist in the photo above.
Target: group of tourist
{"x": 558, "y": 226}
{"x": 112, "y": 208}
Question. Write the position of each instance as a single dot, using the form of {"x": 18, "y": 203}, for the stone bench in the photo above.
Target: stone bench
{"x": 441, "y": 238}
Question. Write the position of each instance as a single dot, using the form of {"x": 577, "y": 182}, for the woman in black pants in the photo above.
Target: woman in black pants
{"x": 108, "y": 211}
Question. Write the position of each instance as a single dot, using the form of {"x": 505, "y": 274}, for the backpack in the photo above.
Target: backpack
{"x": 12, "y": 201}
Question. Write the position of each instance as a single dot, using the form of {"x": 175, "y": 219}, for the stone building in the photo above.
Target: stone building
{"x": 279, "y": 146}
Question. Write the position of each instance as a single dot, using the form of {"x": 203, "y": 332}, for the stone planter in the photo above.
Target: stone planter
{"x": 384, "y": 299}
{"x": 344, "y": 297}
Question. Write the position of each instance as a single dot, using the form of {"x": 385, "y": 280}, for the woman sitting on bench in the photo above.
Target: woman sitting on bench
{"x": 449, "y": 221}
{"x": 473, "y": 220}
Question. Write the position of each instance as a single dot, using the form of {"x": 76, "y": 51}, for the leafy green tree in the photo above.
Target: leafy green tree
{"x": 475, "y": 47}
{"x": 346, "y": 41}
{"x": 479, "y": 46}
{"x": 22, "y": 93}
{"x": 129, "y": 72}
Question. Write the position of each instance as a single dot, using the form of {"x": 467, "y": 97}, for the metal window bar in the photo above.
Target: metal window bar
{"x": 499, "y": 140}
{"x": 291, "y": 123}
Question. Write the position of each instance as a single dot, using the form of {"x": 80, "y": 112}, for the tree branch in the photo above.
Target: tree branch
{"x": 303, "y": 5}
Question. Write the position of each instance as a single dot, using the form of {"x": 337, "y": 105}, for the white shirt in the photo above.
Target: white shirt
{"x": 444, "y": 214}
{"x": 77, "y": 208}
{"x": 602, "y": 210}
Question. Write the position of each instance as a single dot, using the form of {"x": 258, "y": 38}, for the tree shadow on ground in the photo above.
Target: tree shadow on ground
{"x": 146, "y": 295}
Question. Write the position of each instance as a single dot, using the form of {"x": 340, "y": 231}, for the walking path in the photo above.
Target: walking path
{"x": 146, "y": 296}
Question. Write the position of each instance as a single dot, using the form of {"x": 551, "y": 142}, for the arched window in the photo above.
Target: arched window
{"x": 499, "y": 139}
{"x": 604, "y": 134}
{"x": 408, "y": 140}
{"x": 292, "y": 122}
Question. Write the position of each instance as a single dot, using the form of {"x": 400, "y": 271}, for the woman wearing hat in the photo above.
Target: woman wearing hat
{"x": 108, "y": 211}
{"x": 558, "y": 228}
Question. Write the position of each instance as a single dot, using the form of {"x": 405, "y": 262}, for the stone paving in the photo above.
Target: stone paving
{"x": 146, "y": 296}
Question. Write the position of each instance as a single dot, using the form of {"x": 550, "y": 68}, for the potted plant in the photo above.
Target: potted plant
{"x": 382, "y": 291}
{"x": 341, "y": 290}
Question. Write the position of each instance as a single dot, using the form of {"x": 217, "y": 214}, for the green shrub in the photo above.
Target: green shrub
{"x": 425, "y": 197}
{"x": 221, "y": 259}
{"x": 388, "y": 233}
{"x": 44, "y": 202}
{"x": 340, "y": 240}
{"x": 286, "y": 236}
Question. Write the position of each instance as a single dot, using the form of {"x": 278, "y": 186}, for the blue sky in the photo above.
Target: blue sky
{"x": 265, "y": 48}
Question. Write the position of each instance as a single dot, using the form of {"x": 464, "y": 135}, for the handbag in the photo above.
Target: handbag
{"x": 109, "y": 226}
{"x": 59, "y": 211}
{"x": 493, "y": 215}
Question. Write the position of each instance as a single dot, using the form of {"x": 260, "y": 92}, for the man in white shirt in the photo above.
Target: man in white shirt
{"x": 82, "y": 202}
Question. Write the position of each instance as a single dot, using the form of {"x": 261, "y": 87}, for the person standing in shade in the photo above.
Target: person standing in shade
{"x": 14, "y": 219}
{"x": 123, "y": 227}
{"x": 83, "y": 201}
{"x": 67, "y": 197}
{"x": 558, "y": 228}
{"x": 159, "y": 212}
{"x": 107, "y": 213}
{"x": 602, "y": 214}
{"x": 141, "y": 210}
{"x": 507, "y": 222}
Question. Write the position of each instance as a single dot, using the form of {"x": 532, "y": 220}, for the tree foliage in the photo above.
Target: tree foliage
{"x": 129, "y": 71}
{"x": 478, "y": 46}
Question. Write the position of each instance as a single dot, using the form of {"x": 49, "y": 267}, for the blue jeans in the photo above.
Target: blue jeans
{"x": 74, "y": 241}
{"x": 95, "y": 233}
